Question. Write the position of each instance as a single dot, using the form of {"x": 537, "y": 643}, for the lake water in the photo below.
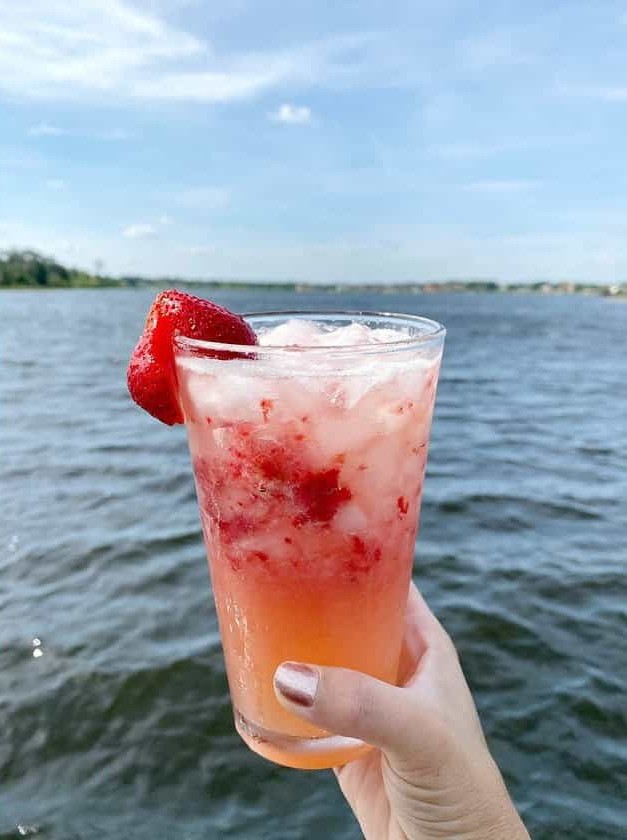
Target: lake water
{"x": 118, "y": 725}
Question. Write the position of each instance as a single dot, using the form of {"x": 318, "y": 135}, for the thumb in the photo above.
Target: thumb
{"x": 347, "y": 703}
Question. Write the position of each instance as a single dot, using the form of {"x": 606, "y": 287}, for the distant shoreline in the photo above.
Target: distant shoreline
{"x": 589, "y": 290}
{"x": 31, "y": 270}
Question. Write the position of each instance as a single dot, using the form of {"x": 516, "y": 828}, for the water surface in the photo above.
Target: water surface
{"x": 117, "y": 724}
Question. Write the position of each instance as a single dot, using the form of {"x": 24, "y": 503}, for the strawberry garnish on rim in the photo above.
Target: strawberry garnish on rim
{"x": 150, "y": 376}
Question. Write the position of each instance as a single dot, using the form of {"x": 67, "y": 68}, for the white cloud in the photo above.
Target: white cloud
{"x": 142, "y": 230}
{"x": 60, "y": 49}
{"x": 203, "y": 198}
{"x": 52, "y": 49}
{"x": 496, "y": 186}
{"x": 55, "y": 184}
{"x": 242, "y": 76}
{"x": 165, "y": 219}
{"x": 205, "y": 86}
{"x": 292, "y": 114}
{"x": 44, "y": 129}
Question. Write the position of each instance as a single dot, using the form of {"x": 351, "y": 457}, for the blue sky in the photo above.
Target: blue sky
{"x": 355, "y": 141}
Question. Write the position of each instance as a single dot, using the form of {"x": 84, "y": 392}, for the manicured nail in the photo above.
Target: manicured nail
{"x": 297, "y": 683}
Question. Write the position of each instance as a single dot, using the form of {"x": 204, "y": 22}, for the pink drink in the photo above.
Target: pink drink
{"x": 309, "y": 462}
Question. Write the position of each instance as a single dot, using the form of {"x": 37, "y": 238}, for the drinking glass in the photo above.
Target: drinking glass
{"x": 309, "y": 465}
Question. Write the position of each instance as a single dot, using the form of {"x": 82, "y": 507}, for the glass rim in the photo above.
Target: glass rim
{"x": 435, "y": 331}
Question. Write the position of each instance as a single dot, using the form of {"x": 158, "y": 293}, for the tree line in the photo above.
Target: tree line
{"x": 31, "y": 269}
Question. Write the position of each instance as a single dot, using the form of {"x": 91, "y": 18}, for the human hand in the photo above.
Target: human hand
{"x": 432, "y": 775}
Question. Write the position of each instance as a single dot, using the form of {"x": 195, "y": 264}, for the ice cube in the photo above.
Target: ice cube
{"x": 386, "y": 336}
{"x": 293, "y": 333}
{"x": 350, "y": 518}
{"x": 346, "y": 336}
{"x": 231, "y": 397}
{"x": 358, "y": 385}
{"x": 302, "y": 333}
{"x": 335, "y": 436}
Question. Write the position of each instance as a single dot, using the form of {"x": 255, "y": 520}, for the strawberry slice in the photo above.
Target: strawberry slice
{"x": 150, "y": 376}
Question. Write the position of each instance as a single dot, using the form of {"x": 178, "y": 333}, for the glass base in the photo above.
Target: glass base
{"x": 319, "y": 753}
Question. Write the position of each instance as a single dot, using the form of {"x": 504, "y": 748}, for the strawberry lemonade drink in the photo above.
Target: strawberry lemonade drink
{"x": 309, "y": 455}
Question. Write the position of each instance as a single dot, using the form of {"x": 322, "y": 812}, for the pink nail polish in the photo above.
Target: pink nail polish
{"x": 297, "y": 683}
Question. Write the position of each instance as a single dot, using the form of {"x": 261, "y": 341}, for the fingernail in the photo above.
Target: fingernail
{"x": 297, "y": 683}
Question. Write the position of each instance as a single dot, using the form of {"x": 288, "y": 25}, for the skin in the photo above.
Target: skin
{"x": 431, "y": 774}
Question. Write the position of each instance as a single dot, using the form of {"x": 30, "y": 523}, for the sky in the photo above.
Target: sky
{"x": 319, "y": 141}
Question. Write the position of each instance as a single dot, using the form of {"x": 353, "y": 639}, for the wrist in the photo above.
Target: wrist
{"x": 484, "y": 808}
{"x": 501, "y": 820}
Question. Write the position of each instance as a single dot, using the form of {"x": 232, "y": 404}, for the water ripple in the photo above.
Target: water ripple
{"x": 118, "y": 724}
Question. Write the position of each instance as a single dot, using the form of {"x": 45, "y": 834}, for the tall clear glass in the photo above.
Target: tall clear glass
{"x": 309, "y": 464}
